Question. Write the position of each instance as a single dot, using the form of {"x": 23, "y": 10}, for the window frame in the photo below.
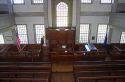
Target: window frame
{"x": 3, "y": 38}
{"x": 36, "y": 3}
{"x": 88, "y": 32}
{"x": 62, "y": 16}
{"x": 35, "y": 32}
{"x": 120, "y": 39}
{"x": 106, "y": 3}
{"x": 97, "y": 31}
{"x": 87, "y": 3}
{"x": 18, "y": 3}
{"x": 26, "y": 31}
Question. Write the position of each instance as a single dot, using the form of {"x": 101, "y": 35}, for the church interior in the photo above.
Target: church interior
{"x": 62, "y": 40}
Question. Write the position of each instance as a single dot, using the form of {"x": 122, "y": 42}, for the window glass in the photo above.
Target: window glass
{"x": 39, "y": 32}
{"x": 37, "y": 1}
{"x": 122, "y": 40}
{"x": 62, "y": 14}
{"x": 84, "y": 33}
{"x": 1, "y": 39}
{"x": 18, "y": 1}
{"x": 102, "y": 30}
{"x": 86, "y": 1}
{"x": 22, "y": 33}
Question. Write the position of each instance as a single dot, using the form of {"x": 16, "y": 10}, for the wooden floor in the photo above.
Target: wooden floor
{"x": 62, "y": 72}
{"x": 62, "y": 77}
{"x": 62, "y": 67}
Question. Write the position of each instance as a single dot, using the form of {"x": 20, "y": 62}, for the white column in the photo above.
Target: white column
{"x": 78, "y": 9}
{"x": 49, "y": 13}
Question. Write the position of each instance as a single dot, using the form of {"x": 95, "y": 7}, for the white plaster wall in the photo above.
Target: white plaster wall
{"x": 74, "y": 13}
{"x": 28, "y": 7}
{"x": 30, "y": 21}
{"x": 94, "y": 21}
{"x": 121, "y": 1}
{"x": 96, "y": 6}
{"x": 49, "y": 14}
{"x": 3, "y": 1}
{"x": 116, "y": 35}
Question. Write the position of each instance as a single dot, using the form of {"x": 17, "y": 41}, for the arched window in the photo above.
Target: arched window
{"x": 62, "y": 14}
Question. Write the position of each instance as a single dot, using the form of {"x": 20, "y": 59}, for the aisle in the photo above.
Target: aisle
{"x": 62, "y": 77}
{"x": 62, "y": 72}
{"x": 62, "y": 67}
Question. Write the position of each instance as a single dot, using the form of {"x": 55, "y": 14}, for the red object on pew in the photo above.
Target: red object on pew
{"x": 18, "y": 41}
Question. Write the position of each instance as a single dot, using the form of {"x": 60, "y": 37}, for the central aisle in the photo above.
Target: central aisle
{"x": 62, "y": 67}
{"x": 62, "y": 72}
{"x": 62, "y": 77}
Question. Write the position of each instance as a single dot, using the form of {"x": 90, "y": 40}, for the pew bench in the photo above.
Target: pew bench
{"x": 23, "y": 80}
{"x": 102, "y": 79}
{"x": 99, "y": 76}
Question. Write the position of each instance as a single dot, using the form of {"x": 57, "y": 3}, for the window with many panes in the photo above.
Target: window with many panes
{"x": 1, "y": 39}
{"x": 122, "y": 40}
{"x": 62, "y": 14}
{"x": 106, "y": 1}
{"x": 37, "y": 1}
{"x": 22, "y": 33}
{"x": 84, "y": 33}
{"x": 102, "y": 30}
{"x": 18, "y": 1}
{"x": 86, "y": 1}
{"x": 39, "y": 32}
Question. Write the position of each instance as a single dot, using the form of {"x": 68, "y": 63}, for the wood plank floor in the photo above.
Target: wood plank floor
{"x": 62, "y": 77}
{"x": 62, "y": 72}
{"x": 62, "y": 67}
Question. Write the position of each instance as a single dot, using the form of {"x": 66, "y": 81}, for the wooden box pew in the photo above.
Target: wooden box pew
{"x": 27, "y": 47}
{"x": 27, "y": 70}
{"x": 13, "y": 47}
{"x": 88, "y": 62}
{"x": 41, "y": 75}
{"x": 116, "y": 61}
{"x": 79, "y": 55}
{"x": 95, "y": 56}
{"x": 99, "y": 62}
{"x": 118, "y": 56}
{"x": 44, "y": 75}
{"x": 79, "y": 47}
{"x": 59, "y": 56}
{"x": 118, "y": 52}
{"x": 90, "y": 56}
{"x": 102, "y": 79}
{"x": 101, "y": 67}
{"x": 18, "y": 57}
{"x": 99, "y": 73}
{"x": 23, "y": 80}
{"x": 33, "y": 48}
{"x": 25, "y": 67}
{"x": 91, "y": 73}
{"x": 100, "y": 47}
